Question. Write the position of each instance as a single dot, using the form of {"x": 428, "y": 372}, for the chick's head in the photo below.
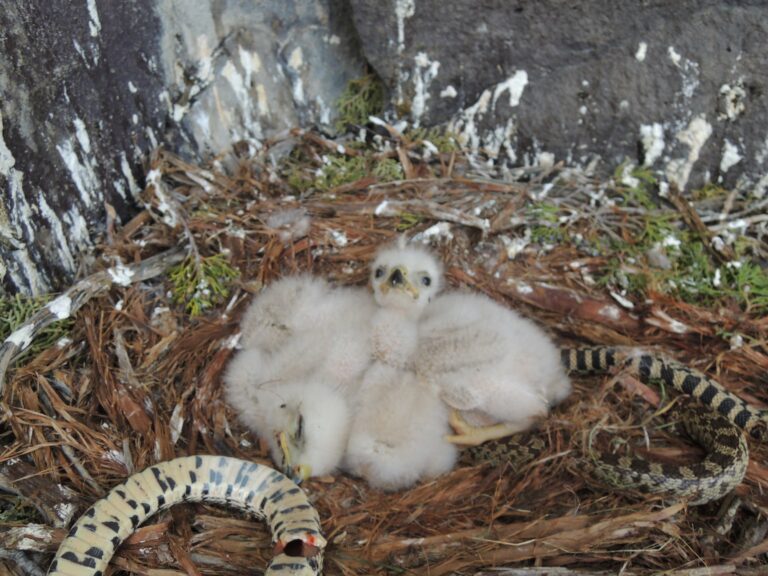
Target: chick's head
{"x": 405, "y": 277}
{"x": 312, "y": 437}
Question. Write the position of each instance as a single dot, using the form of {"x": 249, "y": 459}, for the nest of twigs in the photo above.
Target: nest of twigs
{"x": 138, "y": 378}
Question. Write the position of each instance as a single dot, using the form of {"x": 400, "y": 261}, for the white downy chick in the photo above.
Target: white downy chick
{"x": 284, "y": 308}
{"x": 324, "y": 327}
{"x": 305, "y": 421}
{"x": 490, "y": 363}
{"x": 404, "y": 280}
{"x": 305, "y": 348}
{"x": 399, "y": 425}
{"x": 398, "y": 431}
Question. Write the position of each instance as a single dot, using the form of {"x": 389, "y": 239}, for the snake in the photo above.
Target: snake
{"x": 255, "y": 488}
{"x": 270, "y": 495}
{"x": 717, "y": 424}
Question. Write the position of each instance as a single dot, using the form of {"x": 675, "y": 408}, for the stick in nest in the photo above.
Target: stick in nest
{"x": 74, "y": 298}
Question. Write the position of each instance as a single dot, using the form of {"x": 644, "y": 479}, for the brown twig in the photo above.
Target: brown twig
{"x": 69, "y": 453}
{"x": 722, "y": 253}
{"x": 74, "y": 298}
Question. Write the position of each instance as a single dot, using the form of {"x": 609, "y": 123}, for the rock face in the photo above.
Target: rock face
{"x": 89, "y": 87}
{"x": 677, "y": 86}
{"x": 77, "y": 111}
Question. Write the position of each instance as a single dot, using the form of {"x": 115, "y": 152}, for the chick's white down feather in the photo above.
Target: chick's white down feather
{"x": 283, "y": 309}
{"x": 305, "y": 347}
{"x": 399, "y": 424}
{"x": 315, "y": 328}
{"x": 398, "y": 429}
{"x": 394, "y": 337}
{"x": 488, "y": 361}
{"x": 272, "y": 406}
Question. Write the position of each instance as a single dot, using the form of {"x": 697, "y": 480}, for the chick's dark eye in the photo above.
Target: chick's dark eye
{"x": 379, "y": 272}
{"x": 426, "y": 280}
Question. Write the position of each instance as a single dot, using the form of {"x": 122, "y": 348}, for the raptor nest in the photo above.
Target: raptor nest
{"x": 137, "y": 378}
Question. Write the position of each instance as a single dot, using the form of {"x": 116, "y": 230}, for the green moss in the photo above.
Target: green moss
{"x": 547, "y": 235}
{"x": 543, "y": 212}
{"x": 693, "y": 276}
{"x": 17, "y": 309}
{"x": 14, "y": 509}
{"x": 363, "y": 97}
{"x": 645, "y": 175}
{"x": 388, "y": 170}
{"x": 700, "y": 281}
{"x": 201, "y": 286}
{"x": 407, "y": 221}
{"x": 641, "y": 194}
{"x": 750, "y": 284}
{"x": 709, "y": 190}
{"x": 744, "y": 246}
{"x": 659, "y": 227}
{"x": 630, "y": 278}
{"x": 545, "y": 224}
{"x": 403, "y": 109}
{"x": 439, "y": 137}
{"x": 298, "y": 177}
{"x": 341, "y": 170}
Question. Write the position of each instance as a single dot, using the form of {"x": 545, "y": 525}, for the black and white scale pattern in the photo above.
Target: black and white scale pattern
{"x": 718, "y": 427}
{"x": 258, "y": 489}
{"x": 682, "y": 378}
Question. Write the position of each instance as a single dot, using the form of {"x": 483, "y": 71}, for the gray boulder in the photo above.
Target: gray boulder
{"x": 676, "y": 86}
{"x": 88, "y": 88}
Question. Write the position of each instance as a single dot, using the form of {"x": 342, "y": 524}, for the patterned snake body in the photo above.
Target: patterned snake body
{"x": 682, "y": 378}
{"x": 257, "y": 489}
{"x": 269, "y": 495}
{"x": 718, "y": 428}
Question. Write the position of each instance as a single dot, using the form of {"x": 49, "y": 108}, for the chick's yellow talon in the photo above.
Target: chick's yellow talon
{"x": 468, "y": 435}
{"x": 459, "y": 425}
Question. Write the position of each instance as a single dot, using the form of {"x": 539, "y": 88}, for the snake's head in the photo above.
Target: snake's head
{"x": 405, "y": 277}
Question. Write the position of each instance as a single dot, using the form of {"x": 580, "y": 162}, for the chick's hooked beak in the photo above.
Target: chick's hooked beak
{"x": 301, "y": 472}
{"x": 297, "y": 472}
{"x": 398, "y": 280}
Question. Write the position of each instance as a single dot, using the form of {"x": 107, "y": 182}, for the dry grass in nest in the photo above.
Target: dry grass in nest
{"x": 139, "y": 381}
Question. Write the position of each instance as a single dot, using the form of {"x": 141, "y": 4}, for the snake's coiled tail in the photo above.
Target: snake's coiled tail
{"x": 710, "y": 479}
{"x": 258, "y": 489}
{"x": 717, "y": 428}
